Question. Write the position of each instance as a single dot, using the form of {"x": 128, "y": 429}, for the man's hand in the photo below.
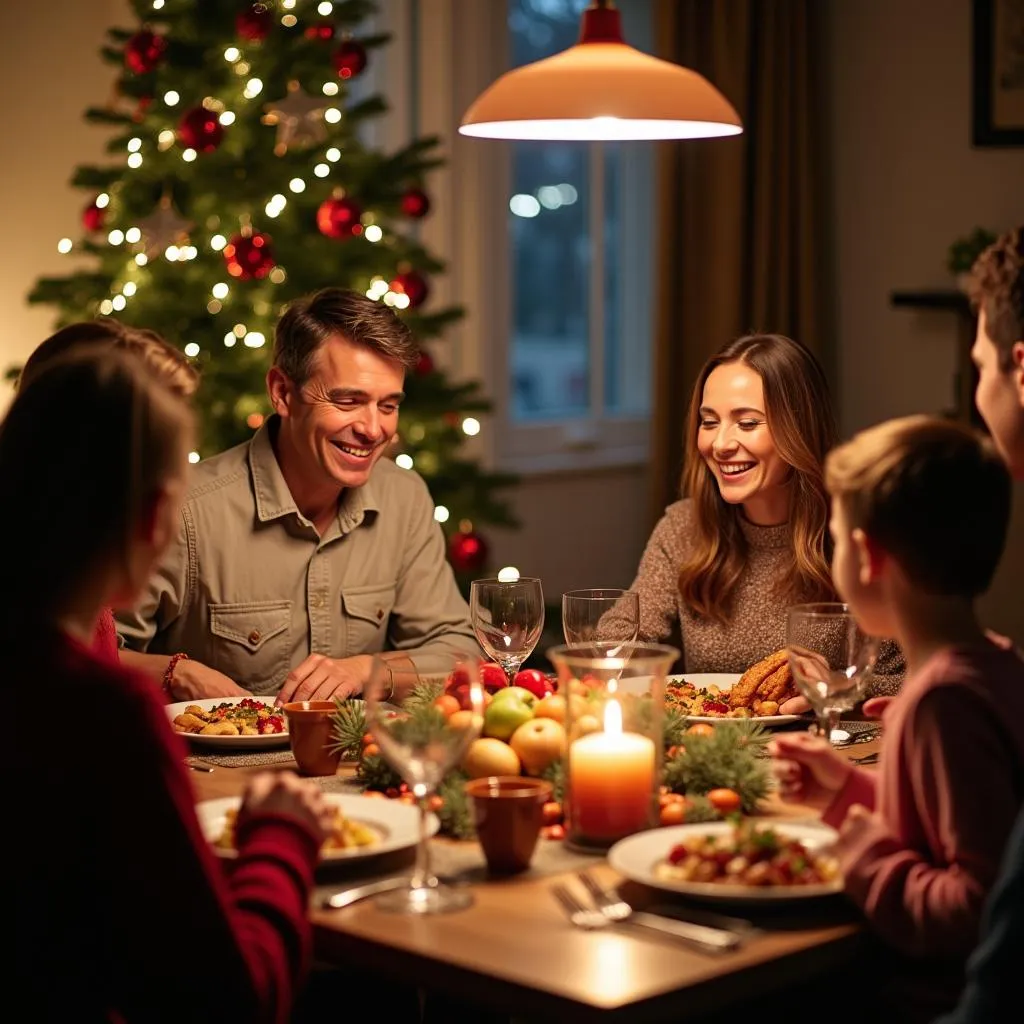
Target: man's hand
{"x": 193, "y": 681}
{"x": 323, "y": 678}
{"x": 808, "y": 770}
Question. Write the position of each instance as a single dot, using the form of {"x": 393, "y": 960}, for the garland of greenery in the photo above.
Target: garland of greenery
{"x": 731, "y": 757}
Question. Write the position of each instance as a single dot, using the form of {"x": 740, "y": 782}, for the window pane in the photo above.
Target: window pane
{"x": 549, "y": 231}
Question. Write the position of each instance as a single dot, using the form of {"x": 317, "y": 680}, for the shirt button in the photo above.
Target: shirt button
{"x": 316, "y": 601}
{"x": 254, "y": 636}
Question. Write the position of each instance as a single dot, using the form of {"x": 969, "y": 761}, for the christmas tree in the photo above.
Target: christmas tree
{"x": 239, "y": 182}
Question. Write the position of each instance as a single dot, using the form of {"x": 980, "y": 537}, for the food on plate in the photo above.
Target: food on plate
{"x": 769, "y": 680}
{"x": 345, "y": 833}
{"x": 748, "y": 855}
{"x": 758, "y": 693}
{"x": 247, "y": 717}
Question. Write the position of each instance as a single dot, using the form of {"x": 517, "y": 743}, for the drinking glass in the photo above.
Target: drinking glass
{"x": 830, "y": 657}
{"x": 507, "y": 619}
{"x": 421, "y": 748}
{"x": 606, "y": 613}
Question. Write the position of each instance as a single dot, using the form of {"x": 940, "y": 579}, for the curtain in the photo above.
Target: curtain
{"x": 741, "y": 219}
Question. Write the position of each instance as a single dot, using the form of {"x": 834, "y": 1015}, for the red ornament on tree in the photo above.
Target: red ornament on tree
{"x": 349, "y": 58}
{"x": 144, "y": 51}
{"x": 415, "y": 203}
{"x": 424, "y": 363}
{"x": 322, "y": 30}
{"x": 200, "y": 130}
{"x": 93, "y": 217}
{"x": 141, "y": 107}
{"x": 249, "y": 256}
{"x": 254, "y": 23}
{"x": 413, "y": 285}
{"x": 467, "y": 552}
{"x": 338, "y": 217}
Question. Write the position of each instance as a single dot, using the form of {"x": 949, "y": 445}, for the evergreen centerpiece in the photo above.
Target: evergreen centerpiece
{"x": 709, "y": 772}
{"x": 240, "y": 180}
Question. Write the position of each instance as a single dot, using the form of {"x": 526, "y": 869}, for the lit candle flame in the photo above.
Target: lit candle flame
{"x": 613, "y": 718}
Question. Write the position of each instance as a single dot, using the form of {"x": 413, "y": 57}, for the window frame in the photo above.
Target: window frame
{"x": 452, "y": 50}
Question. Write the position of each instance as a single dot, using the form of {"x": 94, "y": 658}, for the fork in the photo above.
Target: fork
{"x": 611, "y": 911}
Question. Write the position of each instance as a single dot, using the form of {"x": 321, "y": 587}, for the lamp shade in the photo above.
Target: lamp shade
{"x": 601, "y": 89}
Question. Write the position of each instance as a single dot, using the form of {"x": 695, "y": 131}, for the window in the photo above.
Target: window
{"x": 549, "y": 247}
{"x": 580, "y": 237}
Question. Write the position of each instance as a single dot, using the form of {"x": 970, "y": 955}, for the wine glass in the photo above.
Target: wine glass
{"x": 830, "y": 657}
{"x": 603, "y": 614}
{"x": 417, "y": 741}
{"x": 507, "y": 619}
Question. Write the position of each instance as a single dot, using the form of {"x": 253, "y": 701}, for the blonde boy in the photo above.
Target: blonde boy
{"x": 920, "y": 508}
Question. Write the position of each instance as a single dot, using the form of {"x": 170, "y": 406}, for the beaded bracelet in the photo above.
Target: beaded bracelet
{"x": 168, "y": 679}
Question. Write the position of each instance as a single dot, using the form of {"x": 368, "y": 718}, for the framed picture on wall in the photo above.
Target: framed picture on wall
{"x": 998, "y": 73}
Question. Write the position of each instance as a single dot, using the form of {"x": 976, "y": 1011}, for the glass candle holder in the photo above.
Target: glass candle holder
{"x": 614, "y": 700}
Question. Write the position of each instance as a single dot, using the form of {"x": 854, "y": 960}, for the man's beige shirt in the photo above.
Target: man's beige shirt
{"x": 250, "y": 589}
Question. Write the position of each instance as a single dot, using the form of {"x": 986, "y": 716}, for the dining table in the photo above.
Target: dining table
{"x": 514, "y": 950}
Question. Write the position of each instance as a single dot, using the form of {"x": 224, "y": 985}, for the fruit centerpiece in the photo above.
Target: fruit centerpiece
{"x": 709, "y": 771}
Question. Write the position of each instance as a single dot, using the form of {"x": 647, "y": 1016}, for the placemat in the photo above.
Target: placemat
{"x": 242, "y": 758}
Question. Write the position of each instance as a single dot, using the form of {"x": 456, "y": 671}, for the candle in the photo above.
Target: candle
{"x": 611, "y": 780}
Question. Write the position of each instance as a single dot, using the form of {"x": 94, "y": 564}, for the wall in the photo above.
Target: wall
{"x": 50, "y": 71}
{"x": 906, "y": 183}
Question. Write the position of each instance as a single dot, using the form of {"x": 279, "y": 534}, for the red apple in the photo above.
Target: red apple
{"x": 493, "y": 677}
{"x": 535, "y": 681}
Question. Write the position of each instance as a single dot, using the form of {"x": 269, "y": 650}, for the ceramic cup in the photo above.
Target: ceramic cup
{"x": 309, "y": 732}
{"x": 507, "y": 811}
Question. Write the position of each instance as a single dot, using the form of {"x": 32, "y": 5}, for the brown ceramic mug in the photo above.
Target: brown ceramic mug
{"x": 310, "y": 723}
{"x": 507, "y": 811}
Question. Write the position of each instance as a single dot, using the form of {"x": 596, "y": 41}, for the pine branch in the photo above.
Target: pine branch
{"x": 456, "y": 813}
{"x": 555, "y": 774}
{"x": 727, "y": 759}
{"x": 348, "y": 726}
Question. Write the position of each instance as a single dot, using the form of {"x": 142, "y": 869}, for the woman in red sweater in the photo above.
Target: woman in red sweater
{"x": 123, "y": 913}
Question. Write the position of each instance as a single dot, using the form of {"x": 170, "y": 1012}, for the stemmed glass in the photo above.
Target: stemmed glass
{"x": 606, "y": 613}
{"x": 421, "y": 747}
{"x": 830, "y": 657}
{"x": 507, "y": 619}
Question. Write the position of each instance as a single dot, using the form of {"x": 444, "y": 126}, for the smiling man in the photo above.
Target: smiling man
{"x": 304, "y": 551}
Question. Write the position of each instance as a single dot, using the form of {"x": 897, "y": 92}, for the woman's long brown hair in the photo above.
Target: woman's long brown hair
{"x": 85, "y": 447}
{"x": 802, "y": 424}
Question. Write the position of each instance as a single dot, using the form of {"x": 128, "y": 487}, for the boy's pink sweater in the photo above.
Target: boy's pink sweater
{"x": 948, "y": 788}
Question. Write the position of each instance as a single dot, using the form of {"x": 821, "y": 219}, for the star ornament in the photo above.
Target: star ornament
{"x": 163, "y": 227}
{"x": 298, "y": 117}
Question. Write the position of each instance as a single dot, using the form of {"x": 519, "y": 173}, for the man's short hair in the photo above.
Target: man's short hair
{"x": 997, "y": 289}
{"x": 308, "y": 322}
{"x": 933, "y": 493}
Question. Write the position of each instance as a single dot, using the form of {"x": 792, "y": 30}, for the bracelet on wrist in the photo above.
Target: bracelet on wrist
{"x": 167, "y": 684}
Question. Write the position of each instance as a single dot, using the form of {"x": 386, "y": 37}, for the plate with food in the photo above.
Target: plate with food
{"x": 230, "y": 722}
{"x": 363, "y": 826}
{"x": 757, "y": 693}
{"x": 721, "y": 861}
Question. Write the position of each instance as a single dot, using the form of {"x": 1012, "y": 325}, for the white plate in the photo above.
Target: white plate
{"x": 725, "y": 682}
{"x": 270, "y": 739}
{"x": 636, "y": 857}
{"x": 397, "y": 824}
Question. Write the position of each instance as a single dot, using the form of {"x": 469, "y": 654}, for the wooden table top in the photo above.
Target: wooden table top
{"x": 514, "y": 950}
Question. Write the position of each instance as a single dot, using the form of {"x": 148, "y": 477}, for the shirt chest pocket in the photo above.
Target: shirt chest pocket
{"x": 251, "y": 642}
{"x": 365, "y": 613}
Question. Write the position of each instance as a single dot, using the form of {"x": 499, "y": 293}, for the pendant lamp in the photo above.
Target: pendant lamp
{"x": 601, "y": 89}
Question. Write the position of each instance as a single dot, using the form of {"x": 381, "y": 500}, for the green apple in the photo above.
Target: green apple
{"x": 506, "y": 712}
{"x": 519, "y": 693}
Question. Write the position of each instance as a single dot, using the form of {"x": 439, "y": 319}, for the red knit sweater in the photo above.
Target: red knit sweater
{"x": 123, "y": 913}
{"x": 949, "y": 785}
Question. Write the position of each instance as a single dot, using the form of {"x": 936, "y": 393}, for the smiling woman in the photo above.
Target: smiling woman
{"x": 750, "y": 536}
